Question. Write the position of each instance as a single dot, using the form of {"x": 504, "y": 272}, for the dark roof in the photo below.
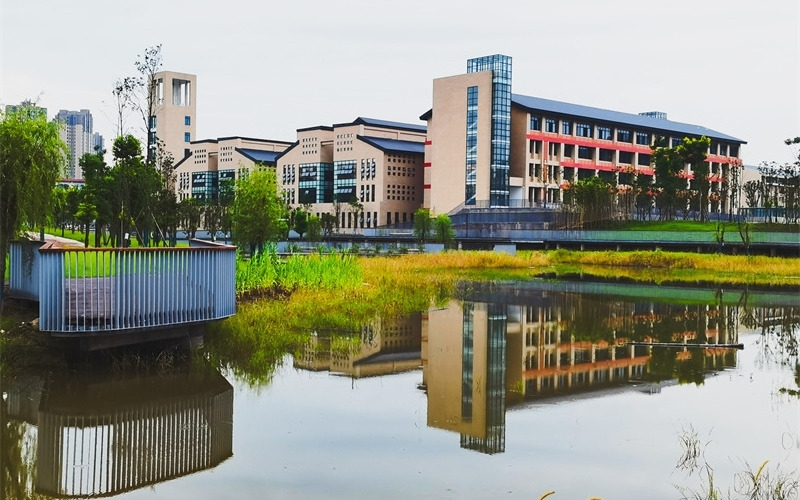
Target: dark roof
{"x": 603, "y": 115}
{"x": 201, "y": 141}
{"x": 385, "y": 123}
{"x": 184, "y": 159}
{"x": 426, "y": 115}
{"x": 259, "y": 156}
{"x": 254, "y": 139}
{"x": 318, "y": 127}
{"x": 394, "y": 145}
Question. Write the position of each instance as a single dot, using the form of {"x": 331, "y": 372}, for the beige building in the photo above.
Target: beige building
{"x": 376, "y": 163}
{"x": 211, "y": 161}
{"x": 174, "y": 118}
{"x": 488, "y": 147}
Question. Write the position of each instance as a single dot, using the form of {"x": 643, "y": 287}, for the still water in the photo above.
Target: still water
{"x": 510, "y": 391}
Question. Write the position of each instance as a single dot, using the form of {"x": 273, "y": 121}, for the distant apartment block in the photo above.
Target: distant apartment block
{"x": 174, "y": 118}
{"x": 77, "y": 133}
{"x": 490, "y": 147}
{"x": 210, "y": 162}
{"x": 29, "y": 106}
{"x": 376, "y": 163}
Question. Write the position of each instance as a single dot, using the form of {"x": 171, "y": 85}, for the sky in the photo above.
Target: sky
{"x": 266, "y": 69}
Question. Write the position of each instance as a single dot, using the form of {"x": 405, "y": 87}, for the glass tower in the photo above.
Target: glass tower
{"x": 500, "y": 66}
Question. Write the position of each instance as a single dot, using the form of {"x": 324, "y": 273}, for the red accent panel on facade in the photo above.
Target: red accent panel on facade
{"x": 427, "y": 164}
{"x": 590, "y": 166}
{"x": 427, "y": 186}
{"x": 428, "y": 143}
{"x": 721, "y": 159}
{"x": 591, "y": 143}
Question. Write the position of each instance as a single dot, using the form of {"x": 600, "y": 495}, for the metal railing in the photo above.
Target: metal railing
{"x": 98, "y": 289}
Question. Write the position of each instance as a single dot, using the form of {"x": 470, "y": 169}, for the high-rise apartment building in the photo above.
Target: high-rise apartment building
{"x": 173, "y": 121}
{"x": 29, "y": 106}
{"x": 77, "y": 133}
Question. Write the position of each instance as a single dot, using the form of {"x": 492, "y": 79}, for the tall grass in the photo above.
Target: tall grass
{"x": 266, "y": 273}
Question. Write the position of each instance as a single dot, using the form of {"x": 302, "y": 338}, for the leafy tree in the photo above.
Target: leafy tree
{"x": 693, "y": 152}
{"x": 780, "y": 184}
{"x": 97, "y": 190}
{"x": 61, "y": 214}
{"x": 595, "y": 198}
{"x": 668, "y": 166}
{"x": 314, "y": 232}
{"x": 423, "y": 224}
{"x": 329, "y": 223}
{"x": 31, "y": 157}
{"x": 134, "y": 185}
{"x": 191, "y": 215}
{"x": 300, "y": 222}
{"x": 258, "y": 213}
{"x": 86, "y": 214}
{"x": 443, "y": 229}
{"x": 358, "y": 211}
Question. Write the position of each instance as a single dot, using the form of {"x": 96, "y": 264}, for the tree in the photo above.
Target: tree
{"x": 314, "y": 232}
{"x": 134, "y": 185}
{"x": 300, "y": 222}
{"x": 31, "y": 157}
{"x": 329, "y": 223}
{"x": 98, "y": 190}
{"x": 357, "y": 208}
{"x": 694, "y": 153}
{"x": 595, "y": 198}
{"x": 258, "y": 214}
{"x": 443, "y": 229}
{"x": 191, "y": 215}
{"x": 61, "y": 215}
{"x": 752, "y": 191}
{"x": 422, "y": 224}
{"x": 668, "y": 167}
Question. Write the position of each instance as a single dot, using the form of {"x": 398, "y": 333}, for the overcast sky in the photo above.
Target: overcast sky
{"x": 266, "y": 68}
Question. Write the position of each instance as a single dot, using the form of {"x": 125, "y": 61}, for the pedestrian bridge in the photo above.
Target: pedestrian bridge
{"x": 94, "y": 292}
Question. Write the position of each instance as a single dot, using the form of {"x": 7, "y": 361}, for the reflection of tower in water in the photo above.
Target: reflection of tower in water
{"x": 464, "y": 372}
{"x": 494, "y": 438}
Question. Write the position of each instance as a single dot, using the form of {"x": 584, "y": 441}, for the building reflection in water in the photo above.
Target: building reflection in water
{"x": 100, "y": 437}
{"x": 382, "y": 347}
{"x": 513, "y": 346}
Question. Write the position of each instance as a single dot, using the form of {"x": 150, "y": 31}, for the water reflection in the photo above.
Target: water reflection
{"x": 380, "y": 348}
{"x": 96, "y": 436}
{"x": 502, "y": 346}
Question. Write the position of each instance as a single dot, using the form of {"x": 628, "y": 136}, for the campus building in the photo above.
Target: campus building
{"x": 489, "y": 147}
{"x": 368, "y": 172}
{"x": 212, "y": 161}
{"x": 174, "y": 116}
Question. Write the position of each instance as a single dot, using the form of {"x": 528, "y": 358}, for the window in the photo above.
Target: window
{"x": 604, "y": 133}
{"x": 152, "y": 122}
{"x": 643, "y": 160}
{"x": 551, "y": 126}
{"x": 566, "y": 128}
{"x": 187, "y": 120}
{"x": 568, "y": 150}
{"x": 625, "y": 157}
{"x": 623, "y": 135}
{"x": 676, "y": 141}
{"x": 187, "y": 137}
{"x": 585, "y": 153}
{"x": 535, "y": 123}
{"x": 583, "y": 130}
{"x": 606, "y": 155}
{"x": 181, "y": 91}
{"x": 643, "y": 138}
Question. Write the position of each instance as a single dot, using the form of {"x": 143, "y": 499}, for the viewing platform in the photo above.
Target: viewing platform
{"x": 116, "y": 296}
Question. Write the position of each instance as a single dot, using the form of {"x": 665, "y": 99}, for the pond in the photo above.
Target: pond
{"x": 512, "y": 390}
